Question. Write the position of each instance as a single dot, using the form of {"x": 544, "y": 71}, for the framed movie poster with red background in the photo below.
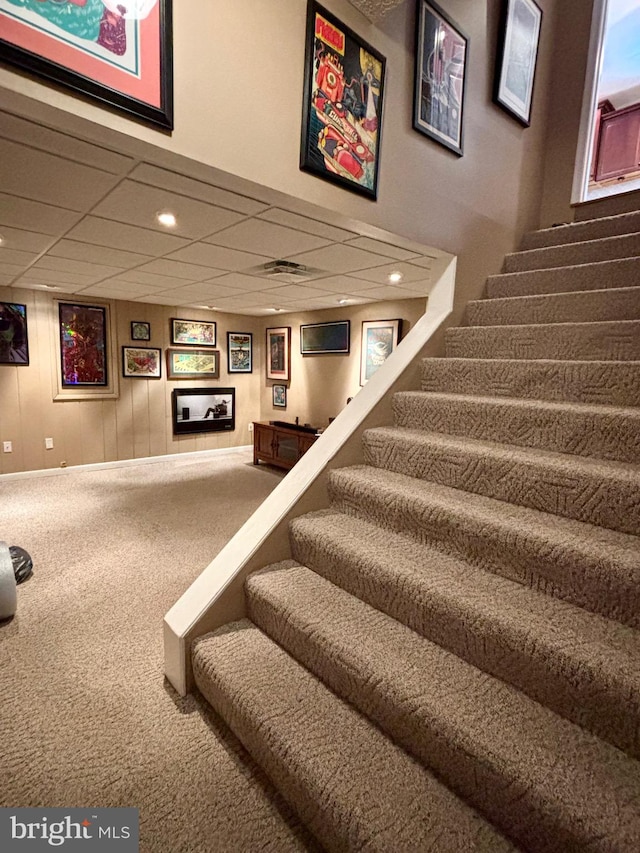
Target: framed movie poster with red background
{"x": 117, "y": 53}
{"x": 342, "y": 104}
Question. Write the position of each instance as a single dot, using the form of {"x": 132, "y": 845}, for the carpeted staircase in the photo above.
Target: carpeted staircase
{"x": 451, "y": 660}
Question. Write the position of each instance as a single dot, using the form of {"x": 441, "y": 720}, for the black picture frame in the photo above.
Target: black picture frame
{"x": 239, "y": 352}
{"x": 140, "y": 330}
{"x": 342, "y": 104}
{"x": 517, "y": 57}
{"x": 321, "y": 338}
{"x": 193, "y": 363}
{"x": 84, "y": 356}
{"x": 141, "y": 362}
{"x": 14, "y": 334}
{"x": 278, "y": 353}
{"x": 441, "y": 55}
{"x": 279, "y": 396}
{"x": 191, "y": 408}
{"x": 379, "y": 339}
{"x": 124, "y": 64}
{"x": 193, "y": 333}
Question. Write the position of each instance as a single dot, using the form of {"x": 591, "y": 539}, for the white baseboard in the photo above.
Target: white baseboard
{"x": 122, "y": 463}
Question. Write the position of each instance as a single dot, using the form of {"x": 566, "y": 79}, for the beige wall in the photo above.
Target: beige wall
{"x": 321, "y": 384}
{"x": 135, "y": 424}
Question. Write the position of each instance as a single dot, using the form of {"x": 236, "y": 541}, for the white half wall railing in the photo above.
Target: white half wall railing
{"x": 217, "y": 595}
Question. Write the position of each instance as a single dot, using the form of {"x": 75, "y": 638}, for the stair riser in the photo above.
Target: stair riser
{"x": 533, "y": 559}
{"x": 602, "y": 435}
{"x": 579, "y": 307}
{"x": 604, "y": 383}
{"x": 597, "y": 276}
{"x": 608, "y": 249}
{"x": 472, "y": 636}
{"x": 603, "y": 499}
{"x": 499, "y": 792}
{"x": 582, "y": 341}
{"x": 577, "y": 232}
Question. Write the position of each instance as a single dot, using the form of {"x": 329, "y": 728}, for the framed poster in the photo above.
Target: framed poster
{"x": 317, "y": 338}
{"x": 280, "y": 396}
{"x": 119, "y": 54}
{"x": 278, "y": 348}
{"x": 203, "y": 410}
{"x": 14, "y": 343}
{"x": 190, "y": 364}
{"x": 379, "y": 339}
{"x": 141, "y": 362}
{"x": 239, "y": 352}
{"x": 342, "y": 104}
{"x": 140, "y": 331}
{"x": 440, "y": 71}
{"x": 83, "y": 344}
{"x": 517, "y": 56}
{"x": 197, "y": 333}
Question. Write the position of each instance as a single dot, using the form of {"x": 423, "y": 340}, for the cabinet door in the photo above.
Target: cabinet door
{"x": 286, "y": 450}
{"x": 619, "y": 150}
{"x": 263, "y": 441}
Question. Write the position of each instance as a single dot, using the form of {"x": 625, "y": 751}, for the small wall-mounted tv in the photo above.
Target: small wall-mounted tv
{"x": 203, "y": 410}
{"x": 318, "y": 338}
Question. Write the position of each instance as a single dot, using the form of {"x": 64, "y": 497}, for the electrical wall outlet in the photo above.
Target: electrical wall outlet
{"x": 250, "y": 427}
{"x": 7, "y": 447}
{"x": 48, "y": 444}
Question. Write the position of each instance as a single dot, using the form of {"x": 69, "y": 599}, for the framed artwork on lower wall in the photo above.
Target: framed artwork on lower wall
{"x": 141, "y": 363}
{"x": 280, "y": 396}
{"x": 203, "y": 410}
{"x": 278, "y": 349}
{"x": 14, "y": 341}
{"x": 379, "y": 339}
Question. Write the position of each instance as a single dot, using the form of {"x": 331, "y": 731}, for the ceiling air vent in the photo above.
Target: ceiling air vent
{"x": 286, "y": 271}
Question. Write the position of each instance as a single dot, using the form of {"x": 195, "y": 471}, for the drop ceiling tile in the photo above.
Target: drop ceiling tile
{"x": 195, "y": 292}
{"x": 337, "y": 258}
{"x": 342, "y": 284}
{"x": 69, "y": 147}
{"x": 117, "y": 290}
{"x": 96, "y": 254}
{"x": 157, "y": 299}
{"x": 163, "y": 282}
{"x": 179, "y": 269}
{"x": 148, "y": 174}
{"x": 25, "y": 241}
{"x": 64, "y": 265}
{"x": 381, "y": 274}
{"x": 379, "y": 248}
{"x": 30, "y": 284}
{"x": 298, "y": 291}
{"x": 12, "y": 270}
{"x": 5, "y": 280}
{"x": 105, "y": 232}
{"x": 243, "y": 283}
{"x": 265, "y": 238}
{"x": 426, "y": 261}
{"x": 34, "y": 216}
{"x": 217, "y": 257}
{"x": 304, "y": 223}
{"x": 56, "y": 277}
{"x": 16, "y": 257}
{"x": 44, "y": 177}
{"x": 137, "y": 204}
{"x": 392, "y": 292}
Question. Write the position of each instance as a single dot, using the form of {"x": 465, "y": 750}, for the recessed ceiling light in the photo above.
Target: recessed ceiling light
{"x": 49, "y": 287}
{"x": 1, "y": 239}
{"x": 277, "y": 309}
{"x": 395, "y": 277}
{"x": 342, "y": 301}
{"x": 166, "y": 218}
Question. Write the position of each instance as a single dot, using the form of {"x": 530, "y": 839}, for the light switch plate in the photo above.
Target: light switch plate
{"x": 7, "y": 447}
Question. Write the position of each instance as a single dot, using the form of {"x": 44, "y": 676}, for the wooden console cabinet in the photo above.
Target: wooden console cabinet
{"x": 281, "y": 444}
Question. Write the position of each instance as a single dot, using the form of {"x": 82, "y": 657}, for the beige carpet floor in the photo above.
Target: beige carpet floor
{"x": 86, "y": 717}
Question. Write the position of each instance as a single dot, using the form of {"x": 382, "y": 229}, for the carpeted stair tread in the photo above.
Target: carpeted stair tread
{"x": 352, "y": 786}
{"x": 613, "y": 383}
{"x": 599, "y": 492}
{"x": 591, "y": 567}
{"x": 581, "y": 306}
{"x": 595, "y": 276}
{"x": 617, "y": 340}
{"x": 544, "y": 781}
{"x": 604, "y": 432}
{"x": 581, "y": 665}
{"x": 574, "y": 232}
{"x": 585, "y": 252}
